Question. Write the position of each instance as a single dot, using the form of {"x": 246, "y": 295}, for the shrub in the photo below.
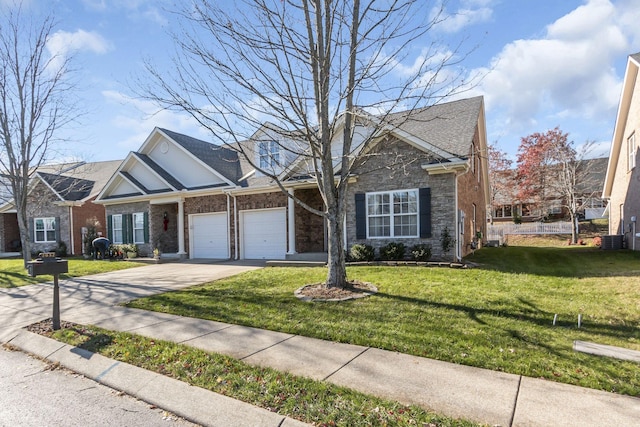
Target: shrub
{"x": 361, "y": 252}
{"x": 393, "y": 251}
{"x": 61, "y": 249}
{"x": 421, "y": 252}
{"x": 597, "y": 241}
{"x": 446, "y": 240}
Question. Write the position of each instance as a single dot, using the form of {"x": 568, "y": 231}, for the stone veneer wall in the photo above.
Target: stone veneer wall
{"x": 375, "y": 174}
{"x": 129, "y": 208}
{"x": 41, "y": 204}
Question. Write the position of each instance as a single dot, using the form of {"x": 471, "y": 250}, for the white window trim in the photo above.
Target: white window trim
{"x": 631, "y": 152}
{"x": 392, "y": 215}
{"x": 133, "y": 220}
{"x": 271, "y": 157}
{"x": 113, "y": 229}
{"x": 45, "y": 221}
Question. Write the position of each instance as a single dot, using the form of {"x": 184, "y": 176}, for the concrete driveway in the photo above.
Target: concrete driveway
{"x": 22, "y": 306}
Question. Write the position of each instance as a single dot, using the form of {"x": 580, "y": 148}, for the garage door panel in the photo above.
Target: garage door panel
{"x": 264, "y": 234}
{"x": 209, "y": 236}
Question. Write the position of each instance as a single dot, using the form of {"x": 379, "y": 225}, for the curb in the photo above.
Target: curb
{"x": 192, "y": 403}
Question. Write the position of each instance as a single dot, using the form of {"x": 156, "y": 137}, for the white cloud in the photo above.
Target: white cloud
{"x": 470, "y": 12}
{"x": 63, "y": 43}
{"x": 136, "y": 118}
{"x": 569, "y": 72}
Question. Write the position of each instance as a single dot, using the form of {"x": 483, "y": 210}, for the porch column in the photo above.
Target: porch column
{"x": 291, "y": 230}
{"x": 181, "y": 250}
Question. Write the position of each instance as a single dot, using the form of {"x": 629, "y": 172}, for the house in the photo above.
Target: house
{"x": 424, "y": 172}
{"x": 506, "y": 207}
{"x": 59, "y": 204}
{"x": 622, "y": 183}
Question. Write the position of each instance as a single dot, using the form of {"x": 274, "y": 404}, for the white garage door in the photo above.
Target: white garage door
{"x": 209, "y": 236}
{"x": 264, "y": 234}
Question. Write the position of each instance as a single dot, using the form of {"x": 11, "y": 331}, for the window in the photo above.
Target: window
{"x": 138, "y": 227}
{"x": 269, "y": 154}
{"x": 631, "y": 151}
{"x": 392, "y": 214}
{"x": 116, "y": 229}
{"x": 45, "y": 230}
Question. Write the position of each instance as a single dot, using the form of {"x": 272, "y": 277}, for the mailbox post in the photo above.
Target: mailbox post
{"x": 48, "y": 263}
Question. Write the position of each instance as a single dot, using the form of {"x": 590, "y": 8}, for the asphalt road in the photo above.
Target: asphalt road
{"x": 32, "y": 394}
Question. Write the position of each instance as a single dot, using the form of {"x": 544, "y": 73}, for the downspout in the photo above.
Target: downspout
{"x": 73, "y": 250}
{"x": 457, "y": 219}
{"x": 228, "y": 222}
{"x": 235, "y": 227}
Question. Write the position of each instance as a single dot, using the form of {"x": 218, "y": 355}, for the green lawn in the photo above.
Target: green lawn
{"x": 498, "y": 316}
{"x": 13, "y": 273}
{"x": 317, "y": 402}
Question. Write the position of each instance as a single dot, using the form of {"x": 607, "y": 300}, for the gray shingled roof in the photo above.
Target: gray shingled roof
{"x": 636, "y": 57}
{"x": 80, "y": 180}
{"x": 449, "y": 126}
{"x": 221, "y": 159}
{"x": 69, "y": 188}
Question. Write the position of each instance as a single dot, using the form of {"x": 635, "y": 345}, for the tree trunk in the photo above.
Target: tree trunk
{"x": 574, "y": 228}
{"x": 337, "y": 271}
{"x": 24, "y": 240}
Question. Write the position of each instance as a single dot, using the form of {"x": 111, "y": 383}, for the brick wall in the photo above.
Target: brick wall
{"x": 470, "y": 193}
{"x": 207, "y": 204}
{"x": 218, "y": 203}
{"x": 9, "y": 231}
{"x": 309, "y": 227}
{"x": 82, "y": 214}
{"x": 625, "y": 194}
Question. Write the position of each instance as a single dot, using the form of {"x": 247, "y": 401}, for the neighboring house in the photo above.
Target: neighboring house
{"x": 622, "y": 183}
{"x": 60, "y": 203}
{"x": 590, "y": 173}
{"x": 426, "y": 171}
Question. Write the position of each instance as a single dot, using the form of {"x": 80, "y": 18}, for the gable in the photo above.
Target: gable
{"x": 629, "y": 99}
{"x": 122, "y": 187}
{"x": 187, "y": 169}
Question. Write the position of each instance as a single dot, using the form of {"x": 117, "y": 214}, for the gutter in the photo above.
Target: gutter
{"x": 450, "y": 167}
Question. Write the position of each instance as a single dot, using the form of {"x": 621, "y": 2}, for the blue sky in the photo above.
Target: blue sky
{"x": 546, "y": 63}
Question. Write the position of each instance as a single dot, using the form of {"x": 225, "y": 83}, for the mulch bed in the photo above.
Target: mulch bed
{"x": 45, "y": 327}
{"x": 320, "y": 292}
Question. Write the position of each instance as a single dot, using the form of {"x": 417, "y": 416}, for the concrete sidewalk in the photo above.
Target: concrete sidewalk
{"x": 454, "y": 390}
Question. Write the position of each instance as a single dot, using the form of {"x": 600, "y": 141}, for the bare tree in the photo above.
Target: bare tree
{"x": 318, "y": 70}
{"x": 501, "y": 177}
{"x": 33, "y": 105}
{"x": 578, "y": 182}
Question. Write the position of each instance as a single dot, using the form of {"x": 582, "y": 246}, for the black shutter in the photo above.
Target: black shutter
{"x": 361, "y": 216}
{"x": 127, "y": 228}
{"x": 56, "y": 228}
{"x": 110, "y": 228}
{"x": 425, "y": 212}
{"x": 145, "y": 219}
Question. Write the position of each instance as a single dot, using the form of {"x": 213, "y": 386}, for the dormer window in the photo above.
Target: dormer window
{"x": 269, "y": 152}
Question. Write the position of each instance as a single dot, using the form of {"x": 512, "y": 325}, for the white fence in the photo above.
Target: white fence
{"x": 499, "y": 230}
